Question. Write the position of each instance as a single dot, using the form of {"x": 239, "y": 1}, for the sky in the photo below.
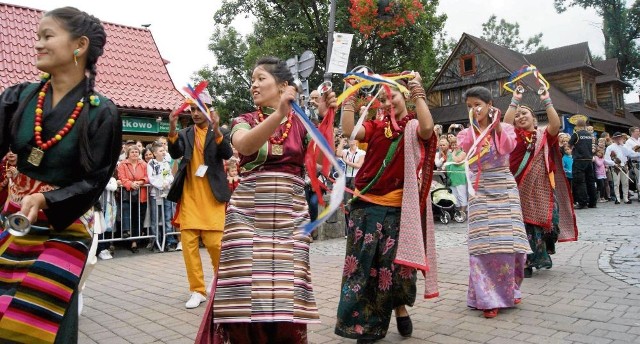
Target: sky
{"x": 182, "y": 32}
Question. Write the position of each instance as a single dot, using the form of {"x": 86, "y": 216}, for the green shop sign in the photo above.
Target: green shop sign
{"x": 144, "y": 125}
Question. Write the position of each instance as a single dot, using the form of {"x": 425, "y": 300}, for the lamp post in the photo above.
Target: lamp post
{"x": 332, "y": 24}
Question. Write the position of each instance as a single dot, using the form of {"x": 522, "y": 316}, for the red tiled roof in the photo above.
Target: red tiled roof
{"x": 131, "y": 72}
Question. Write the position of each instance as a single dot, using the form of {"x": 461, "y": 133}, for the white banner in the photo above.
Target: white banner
{"x": 340, "y": 52}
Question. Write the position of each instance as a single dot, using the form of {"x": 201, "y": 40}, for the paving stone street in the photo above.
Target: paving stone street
{"x": 591, "y": 295}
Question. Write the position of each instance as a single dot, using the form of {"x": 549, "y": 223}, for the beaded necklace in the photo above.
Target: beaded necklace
{"x": 277, "y": 147}
{"x": 37, "y": 153}
{"x": 529, "y": 138}
{"x": 390, "y": 132}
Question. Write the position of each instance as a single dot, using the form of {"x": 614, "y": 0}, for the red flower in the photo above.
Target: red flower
{"x": 384, "y": 279}
{"x": 350, "y": 266}
{"x": 365, "y": 16}
{"x": 373, "y": 272}
{"x": 358, "y": 329}
{"x": 358, "y": 235}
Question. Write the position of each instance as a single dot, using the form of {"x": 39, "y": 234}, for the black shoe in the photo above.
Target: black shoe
{"x": 126, "y": 234}
{"x": 365, "y": 341}
{"x": 171, "y": 247}
{"x": 528, "y": 272}
{"x": 627, "y": 202}
{"x": 617, "y": 202}
{"x": 580, "y": 206}
{"x": 592, "y": 206}
{"x": 405, "y": 327}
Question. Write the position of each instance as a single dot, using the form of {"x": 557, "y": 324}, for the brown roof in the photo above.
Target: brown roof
{"x": 610, "y": 69}
{"x": 563, "y": 58}
{"x": 131, "y": 72}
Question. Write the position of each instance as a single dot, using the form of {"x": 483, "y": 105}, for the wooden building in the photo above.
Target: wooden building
{"x": 579, "y": 85}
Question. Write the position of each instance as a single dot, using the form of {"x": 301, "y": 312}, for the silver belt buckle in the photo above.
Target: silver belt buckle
{"x": 17, "y": 224}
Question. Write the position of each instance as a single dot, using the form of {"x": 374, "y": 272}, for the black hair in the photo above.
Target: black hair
{"x": 479, "y": 92}
{"x": 277, "y": 68}
{"x": 78, "y": 24}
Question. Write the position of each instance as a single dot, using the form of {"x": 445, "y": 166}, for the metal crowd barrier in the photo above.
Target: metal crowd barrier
{"x": 131, "y": 214}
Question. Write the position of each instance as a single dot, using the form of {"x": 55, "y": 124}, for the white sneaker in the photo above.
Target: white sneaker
{"x": 179, "y": 247}
{"x": 105, "y": 254}
{"x": 195, "y": 300}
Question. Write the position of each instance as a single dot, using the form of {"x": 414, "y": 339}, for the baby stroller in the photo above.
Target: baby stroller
{"x": 444, "y": 204}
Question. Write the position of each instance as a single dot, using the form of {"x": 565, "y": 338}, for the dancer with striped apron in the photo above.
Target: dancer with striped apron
{"x": 536, "y": 164}
{"x": 61, "y": 176}
{"x": 263, "y": 291}
{"x": 497, "y": 240}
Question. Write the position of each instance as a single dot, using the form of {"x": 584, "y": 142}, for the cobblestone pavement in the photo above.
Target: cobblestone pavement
{"x": 590, "y": 296}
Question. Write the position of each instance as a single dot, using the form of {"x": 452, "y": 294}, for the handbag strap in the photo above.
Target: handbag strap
{"x": 387, "y": 159}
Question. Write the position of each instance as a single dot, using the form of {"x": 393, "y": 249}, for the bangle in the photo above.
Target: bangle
{"x": 514, "y": 102}
{"x": 418, "y": 92}
{"x": 547, "y": 103}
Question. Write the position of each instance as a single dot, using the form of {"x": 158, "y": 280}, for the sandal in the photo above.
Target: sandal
{"x": 517, "y": 301}
{"x": 490, "y": 313}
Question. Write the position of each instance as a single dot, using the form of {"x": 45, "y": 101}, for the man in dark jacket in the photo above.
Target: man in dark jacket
{"x": 584, "y": 181}
{"x": 200, "y": 188}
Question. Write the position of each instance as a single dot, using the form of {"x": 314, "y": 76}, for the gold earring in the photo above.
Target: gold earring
{"x": 75, "y": 56}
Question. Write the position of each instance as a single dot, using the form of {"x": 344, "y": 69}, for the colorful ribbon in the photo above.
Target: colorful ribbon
{"x": 337, "y": 193}
{"x": 518, "y": 75}
{"x": 192, "y": 96}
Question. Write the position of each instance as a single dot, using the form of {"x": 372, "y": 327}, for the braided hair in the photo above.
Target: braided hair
{"x": 78, "y": 24}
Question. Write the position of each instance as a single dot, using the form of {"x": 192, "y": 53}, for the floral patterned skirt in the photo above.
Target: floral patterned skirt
{"x": 495, "y": 279}
{"x": 372, "y": 285}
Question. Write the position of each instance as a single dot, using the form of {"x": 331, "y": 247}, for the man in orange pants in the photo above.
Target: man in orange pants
{"x": 201, "y": 191}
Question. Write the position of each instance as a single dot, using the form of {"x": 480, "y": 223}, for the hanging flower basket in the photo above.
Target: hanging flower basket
{"x": 383, "y": 17}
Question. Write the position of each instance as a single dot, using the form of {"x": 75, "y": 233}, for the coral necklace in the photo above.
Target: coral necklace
{"x": 37, "y": 153}
{"x": 277, "y": 147}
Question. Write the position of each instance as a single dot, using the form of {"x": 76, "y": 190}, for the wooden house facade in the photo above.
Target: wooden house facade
{"x": 578, "y": 84}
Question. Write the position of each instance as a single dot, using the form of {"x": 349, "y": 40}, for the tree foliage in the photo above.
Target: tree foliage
{"x": 508, "y": 35}
{"x": 621, "y": 30}
{"x": 286, "y": 28}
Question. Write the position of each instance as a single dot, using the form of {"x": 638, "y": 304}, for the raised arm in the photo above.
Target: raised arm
{"x": 553, "y": 128}
{"x": 419, "y": 96}
{"x": 510, "y": 115}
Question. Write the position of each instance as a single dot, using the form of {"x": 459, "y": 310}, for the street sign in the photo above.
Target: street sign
{"x": 292, "y": 63}
{"x": 306, "y": 64}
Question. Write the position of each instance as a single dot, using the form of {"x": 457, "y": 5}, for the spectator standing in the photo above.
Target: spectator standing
{"x": 567, "y": 163}
{"x": 132, "y": 174}
{"x": 584, "y": 183}
{"x": 160, "y": 178}
{"x": 633, "y": 144}
{"x": 616, "y": 157}
{"x": 353, "y": 159}
{"x": 601, "y": 174}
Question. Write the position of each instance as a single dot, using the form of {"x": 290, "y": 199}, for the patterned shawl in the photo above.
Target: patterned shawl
{"x": 416, "y": 242}
{"x": 536, "y": 186}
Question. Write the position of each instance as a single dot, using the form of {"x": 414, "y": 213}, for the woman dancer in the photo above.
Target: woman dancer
{"x": 497, "y": 240}
{"x": 263, "y": 291}
{"x": 379, "y": 274}
{"x": 536, "y": 164}
{"x": 67, "y": 138}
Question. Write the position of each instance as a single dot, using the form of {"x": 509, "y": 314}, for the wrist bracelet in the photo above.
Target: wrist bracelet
{"x": 418, "y": 92}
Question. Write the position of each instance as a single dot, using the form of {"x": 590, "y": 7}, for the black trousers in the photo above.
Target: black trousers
{"x": 584, "y": 183}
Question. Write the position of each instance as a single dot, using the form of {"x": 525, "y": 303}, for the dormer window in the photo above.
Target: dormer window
{"x": 467, "y": 65}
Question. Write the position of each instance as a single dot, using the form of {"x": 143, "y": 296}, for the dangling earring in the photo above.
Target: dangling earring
{"x": 75, "y": 56}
